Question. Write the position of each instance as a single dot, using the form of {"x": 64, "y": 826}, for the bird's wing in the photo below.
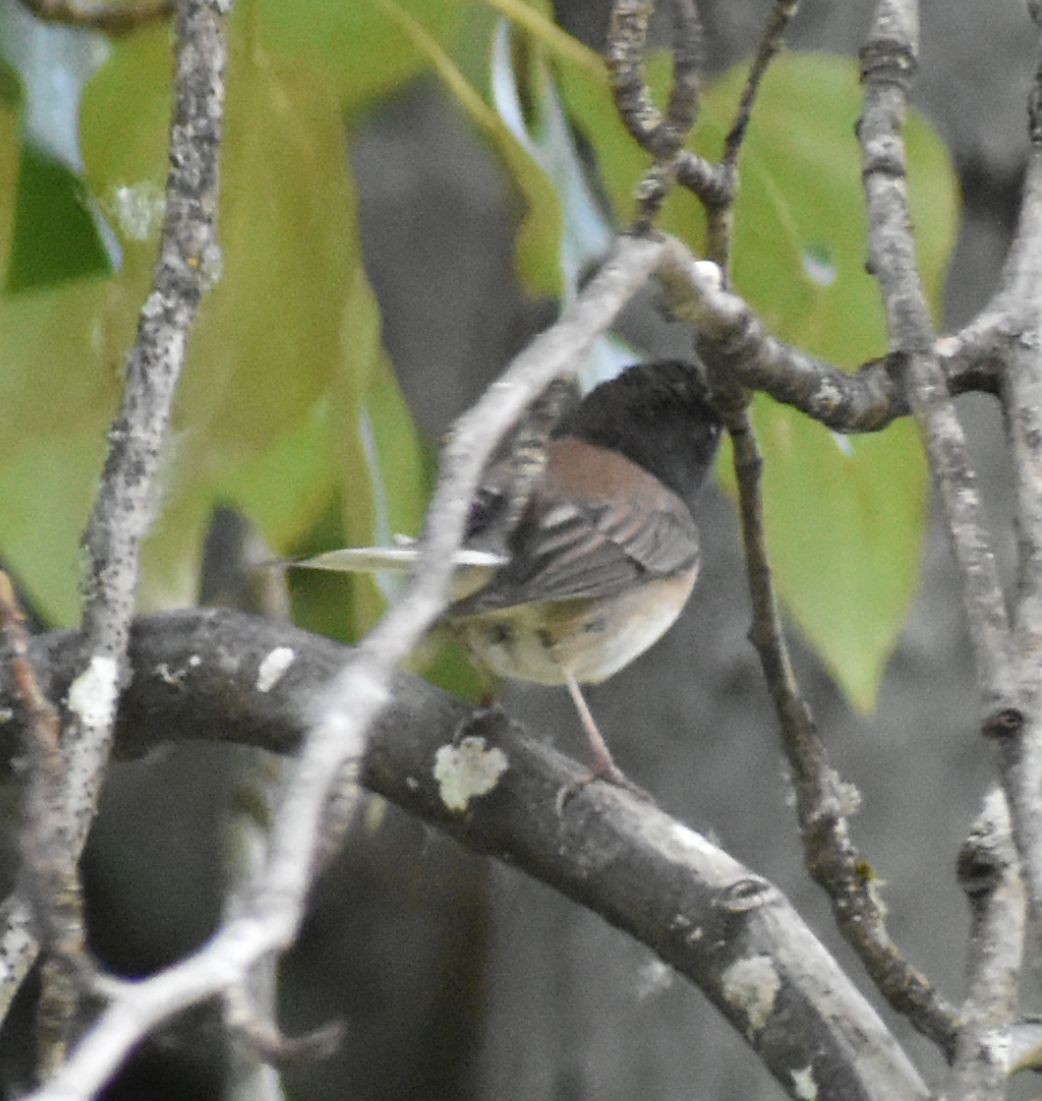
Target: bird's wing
{"x": 574, "y": 545}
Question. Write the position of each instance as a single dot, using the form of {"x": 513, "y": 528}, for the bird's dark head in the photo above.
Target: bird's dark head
{"x": 656, "y": 414}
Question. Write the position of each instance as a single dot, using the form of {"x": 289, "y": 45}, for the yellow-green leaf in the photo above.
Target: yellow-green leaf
{"x": 845, "y": 517}
{"x": 358, "y": 51}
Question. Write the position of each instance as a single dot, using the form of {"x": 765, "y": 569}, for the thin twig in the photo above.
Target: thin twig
{"x": 823, "y": 800}
{"x": 188, "y": 261}
{"x": 102, "y": 15}
{"x": 888, "y": 62}
{"x": 770, "y": 45}
{"x": 1019, "y": 741}
{"x": 719, "y": 230}
{"x": 749, "y": 355}
{"x": 1009, "y": 688}
{"x": 44, "y": 873}
{"x": 661, "y": 137}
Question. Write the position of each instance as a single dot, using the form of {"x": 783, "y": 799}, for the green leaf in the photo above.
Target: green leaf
{"x": 352, "y": 44}
{"x": 845, "y": 517}
{"x": 47, "y": 491}
{"x": 845, "y": 520}
{"x": 258, "y": 412}
{"x": 56, "y": 236}
{"x": 268, "y": 343}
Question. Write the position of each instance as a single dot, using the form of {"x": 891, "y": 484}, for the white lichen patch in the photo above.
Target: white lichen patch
{"x": 273, "y": 666}
{"x": 467, "y": 770}
{"x": 803, "y": 1084}
{"x": 138, "y": 210}
{"x": 92, "y": 695}
{"x": 654, "y": 977}
{"x": 751, "y": 985}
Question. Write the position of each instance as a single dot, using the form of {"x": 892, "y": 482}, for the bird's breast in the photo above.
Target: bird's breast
{"x": 591, "y": 639}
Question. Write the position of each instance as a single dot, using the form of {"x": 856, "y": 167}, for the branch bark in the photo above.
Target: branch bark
{"x": 199, "y": 674}
{"x": 188, "y": 263}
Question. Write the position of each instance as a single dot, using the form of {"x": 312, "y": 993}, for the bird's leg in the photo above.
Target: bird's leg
{"x": 604, "y": 766}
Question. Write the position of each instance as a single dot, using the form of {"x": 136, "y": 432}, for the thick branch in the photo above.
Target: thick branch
{"x": 343, "y": 711}
{"x": 200, "y": 674}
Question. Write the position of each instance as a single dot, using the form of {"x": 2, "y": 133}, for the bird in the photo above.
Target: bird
{"x": 574, "y": 563}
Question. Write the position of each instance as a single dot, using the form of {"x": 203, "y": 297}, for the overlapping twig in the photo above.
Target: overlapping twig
{"x": 888, "y": 62}
{"x": 44, "y": 870}
{"x": 662, "y": 137}
{"x": 1006, "y": 661}
{"x": 187, "y": 262}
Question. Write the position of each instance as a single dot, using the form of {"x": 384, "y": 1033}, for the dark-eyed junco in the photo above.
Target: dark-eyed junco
{"x": 598, "y": 561}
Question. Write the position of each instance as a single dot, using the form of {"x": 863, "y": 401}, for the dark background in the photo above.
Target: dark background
{"x": 460, "y": 978}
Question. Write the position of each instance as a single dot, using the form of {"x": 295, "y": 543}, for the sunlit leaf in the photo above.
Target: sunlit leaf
{"x": 352, "y": 45}
{"x": 253, "y": 417}
{"x": 46, "y": 492}
{"x": 845, "y": 517}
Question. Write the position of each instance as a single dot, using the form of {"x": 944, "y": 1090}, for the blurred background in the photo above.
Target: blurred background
{"x": 459, "y": 978}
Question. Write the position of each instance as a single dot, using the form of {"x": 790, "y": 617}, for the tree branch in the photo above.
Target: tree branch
{"x": 989, "y": 875}
{"x": 823, "y": 801}
{"x": 1019, "y": 742}
{"x": 888, "y": 62}
{"x": 187, "y": 264}
{"x": 660, "y": 137}
{"x": 198, "y": 674}
{"x": 864, "y": 402}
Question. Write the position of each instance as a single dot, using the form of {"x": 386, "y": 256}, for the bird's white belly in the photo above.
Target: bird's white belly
{"x": 592, "y": 640}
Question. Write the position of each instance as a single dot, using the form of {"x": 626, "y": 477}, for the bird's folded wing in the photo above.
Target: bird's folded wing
{"x": 570, "y": 551}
